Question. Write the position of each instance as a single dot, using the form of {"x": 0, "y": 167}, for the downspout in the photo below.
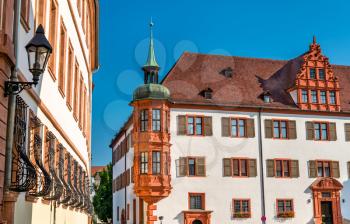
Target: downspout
{"x": 12, "y": 100}
{"x": 261, "y": 161}
{"x": 125, "y": 215}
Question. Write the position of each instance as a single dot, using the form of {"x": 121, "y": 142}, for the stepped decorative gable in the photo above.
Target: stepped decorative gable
{"x": 316, "y": 85}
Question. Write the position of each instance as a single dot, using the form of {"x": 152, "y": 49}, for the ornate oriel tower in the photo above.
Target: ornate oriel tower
{"x": 151, "y": 136}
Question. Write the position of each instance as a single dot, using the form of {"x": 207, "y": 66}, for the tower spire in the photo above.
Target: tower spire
{"x": 151, "y": 59}
{"x": 151, "y": 67}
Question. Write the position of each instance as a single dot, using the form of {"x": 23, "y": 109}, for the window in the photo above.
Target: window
{"x": 155, "y": 120}
{"x": 71, "y": 68}
{"x": 155, "y": 162}
{"x": 321, "y": 131}
{"x": 190, "y": 166}
{"x": 240, "y": 167}
{"x": 194, "y": 125}
{"x": 128, "y": 211}
{"x": 323, "y": 97}
{"x": 25, "y": 5}
{"x": 280, "y": 129}
{"x": 285, "y": 208}
{"x": 196, "y": 201}
{"x": 241, "y": 208}
{"x": 144, "y": 163}
{"x": 332, "y": 98}
{"x": 314, "y": 96}
{"x": 208, "y": 94}
{"x": 267, "y": 98}
{"x": 312, "y": 73}
{"x": 321, "y": 74}
{"x": 282, "y": 168}
{"x": 144, "y": 120}
{"x": 76, "y": 95}
{"x": 323, "y": 168}
{"x": 62, "y": 60}
{"x": 238, "y": 127}
{"x": 304, "y": 96}
{"x": 52, "y": 37}
{"x": 118, "y": 213}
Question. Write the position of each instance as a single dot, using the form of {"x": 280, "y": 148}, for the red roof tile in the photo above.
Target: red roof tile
{"x": 251, "y": 77}
{"x": 97, "y": 169}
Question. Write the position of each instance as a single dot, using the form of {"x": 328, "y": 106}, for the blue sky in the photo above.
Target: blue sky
{"x": 264, "y": 29}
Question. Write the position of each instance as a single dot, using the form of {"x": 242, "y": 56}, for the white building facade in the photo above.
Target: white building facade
{"x": 236, "y": 140}
{"x": 52, "y": 145}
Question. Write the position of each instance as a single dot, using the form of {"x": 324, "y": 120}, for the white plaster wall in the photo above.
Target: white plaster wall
{"x": 47, "y": 90}
{"x": 220, "y": 191}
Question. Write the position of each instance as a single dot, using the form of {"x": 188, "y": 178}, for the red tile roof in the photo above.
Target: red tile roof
{"x": 97, "y": 169}
{"x": 250, "y": 78}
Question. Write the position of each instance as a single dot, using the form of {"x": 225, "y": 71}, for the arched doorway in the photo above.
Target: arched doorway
{"x": 197, "y": 222}
{"x": 326, "y": 196}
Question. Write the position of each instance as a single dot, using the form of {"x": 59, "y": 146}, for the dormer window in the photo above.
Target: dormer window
{"x": 332, "y": 97}
{"x": 207, "y": 93}
{"x": 267, "y": 98}
{"x": 227, "y": 72}
{"x": 312, "y": 73}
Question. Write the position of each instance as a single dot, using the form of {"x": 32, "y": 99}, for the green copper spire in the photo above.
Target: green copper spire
{"x": 151, "y": 60}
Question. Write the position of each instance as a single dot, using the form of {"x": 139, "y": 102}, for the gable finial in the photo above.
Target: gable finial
{"x": 314, "y": 39}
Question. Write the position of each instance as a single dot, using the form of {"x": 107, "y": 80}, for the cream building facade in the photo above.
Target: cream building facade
{"x": 52, "y": 137}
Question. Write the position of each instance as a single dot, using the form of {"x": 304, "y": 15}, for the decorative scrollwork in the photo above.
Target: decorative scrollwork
{"x": 43, "y": 180}
{"x": 56, "y": 187}
{"x": 75, "y": 184}
{"x": 70, "y": 174}
{"x": 66, "y": 194}
{"x": 23, "y": 171}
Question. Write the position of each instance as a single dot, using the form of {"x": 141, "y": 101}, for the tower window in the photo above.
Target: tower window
{"x": 321, "y": 74}
{"x": 314, "y": 96}
{"x": 312, "y": 73}
{"x": 323, "y": 97}
{"x": 156, "y": 163}
{"x": 155, "y": 120}
{"x": 332, "y": 98}
{"x": 304, "y": 96}
{"x": 144, "y": 120}
{"x": 144, "y": 163}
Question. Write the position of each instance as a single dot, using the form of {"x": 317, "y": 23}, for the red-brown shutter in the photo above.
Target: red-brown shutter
{"x": 268, "y": 128}
{"x": 332, "y": 131}
{"x": 347, "y": 132}
{"x": 335, "y": 169}
{"x": 252, "y": 168}
{"x": 227, "y": 167}
{"x": 181, "y": 125}
{"x": 208, "y": 129}
{"x": 294, "y": 165}
{"x": 309, "y": 130}
{"x": 225, "y": 127}
{"x": 292, "y": 130}
{"x": 250, "y": 128}
{"x": 270, "y": 165}
{"x": 312, "y": 169}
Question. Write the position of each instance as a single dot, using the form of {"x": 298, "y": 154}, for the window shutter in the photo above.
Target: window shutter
{"x": 335, "y": 169}
{"x": 268, "y": 128}
{"x": 332, "y": 131}
{"x": 208, "y": 129}
{"x": 227, "y": 167}
{"x": 181, "y": 125}
{"x": 225, "y": 127}
{"x": 309, "y": 130}
{"x": 294, "y": 168}
{"x": 349, "y": 169}
{"x": 200, "y": 166}
{"x": 292, "y": 130}
{"x": 270, "y": 163}
{"x": 132, "y": 174}
{"x": 252, "y": 168}
{"x": 182, "y": 167}
{"x": 250, "y": 128}
{"x": 312, "y": 169}
{"x": 347, "y": 132}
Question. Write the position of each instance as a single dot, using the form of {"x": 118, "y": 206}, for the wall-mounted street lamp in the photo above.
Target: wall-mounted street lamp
{"x": 38, "y": 50}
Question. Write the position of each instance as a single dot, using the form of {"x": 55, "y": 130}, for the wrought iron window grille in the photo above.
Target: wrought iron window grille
{"x": 23, "y": 171}
{"x": 43, "y": 180}
{"x": 56, "y": 187}
{"x": 70, "y": 174}
{"x": 66, "y": 194}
